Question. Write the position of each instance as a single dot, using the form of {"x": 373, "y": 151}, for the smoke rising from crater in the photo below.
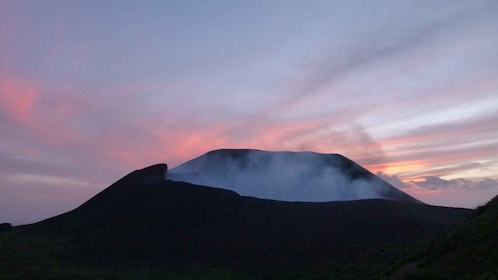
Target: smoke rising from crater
{"x": 287, "y": 176}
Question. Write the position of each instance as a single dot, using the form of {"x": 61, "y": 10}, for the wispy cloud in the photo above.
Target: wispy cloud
{"x": 435, "y": 183}
{"x": 453, "y": 192}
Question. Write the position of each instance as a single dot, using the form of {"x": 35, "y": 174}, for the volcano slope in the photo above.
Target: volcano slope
{"x": 144, "y": 225}
{"x": 469, "y": 252}
{"x": 287, "y": 176}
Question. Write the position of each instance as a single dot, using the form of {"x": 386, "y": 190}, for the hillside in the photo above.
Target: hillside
{"x": 144, "y": 225}
{"x": 469, "y": 252}
{"x": 287, "y": 176}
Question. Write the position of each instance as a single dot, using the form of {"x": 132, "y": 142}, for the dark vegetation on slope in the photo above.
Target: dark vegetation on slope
{"x": 469, "y": 252}
{"x": 144, "y": 226}
{"x": 5, "y": 227}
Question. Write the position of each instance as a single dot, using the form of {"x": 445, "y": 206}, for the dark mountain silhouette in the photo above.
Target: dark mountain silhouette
{"x": 143, "y": 224}
{"x": 288, "y": 176}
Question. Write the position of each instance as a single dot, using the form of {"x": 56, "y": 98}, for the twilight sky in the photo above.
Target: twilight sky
{"x": 91, "y": 90}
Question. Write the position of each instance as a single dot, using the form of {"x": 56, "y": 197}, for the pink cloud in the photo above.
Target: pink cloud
{"x": 18, "y": 98}
{"x": 121, "y": 131}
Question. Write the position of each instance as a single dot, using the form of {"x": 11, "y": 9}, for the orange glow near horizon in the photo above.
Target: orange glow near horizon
{"x": 397, "y": 167}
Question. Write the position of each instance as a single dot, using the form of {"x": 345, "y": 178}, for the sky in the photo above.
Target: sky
{"x": 91, "y": 90}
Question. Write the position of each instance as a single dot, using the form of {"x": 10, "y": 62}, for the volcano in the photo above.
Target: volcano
{"x": 146, "y": 225}
{"x": 286, "y": 176}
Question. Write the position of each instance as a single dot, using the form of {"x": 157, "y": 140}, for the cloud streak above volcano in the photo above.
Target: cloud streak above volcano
{"x": 91, "y": 89}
